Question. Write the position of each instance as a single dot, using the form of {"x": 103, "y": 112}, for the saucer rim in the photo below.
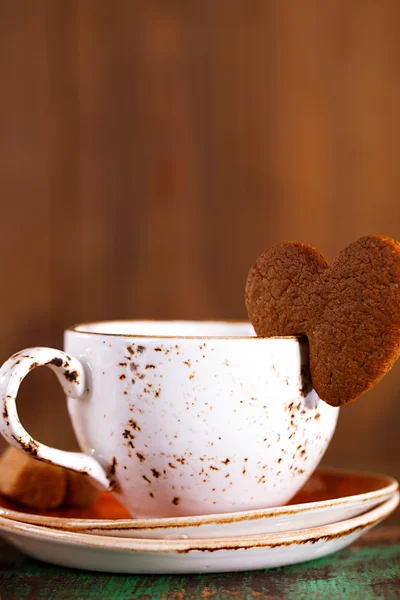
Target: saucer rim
{"x": 389, "y": 487}
{"x": 272, "y": 540}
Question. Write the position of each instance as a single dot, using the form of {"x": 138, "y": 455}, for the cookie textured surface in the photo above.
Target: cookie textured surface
{"x": 349, "y": 311}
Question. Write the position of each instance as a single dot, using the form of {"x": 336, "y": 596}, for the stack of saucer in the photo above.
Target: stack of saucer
{"x": 332, "y": 511}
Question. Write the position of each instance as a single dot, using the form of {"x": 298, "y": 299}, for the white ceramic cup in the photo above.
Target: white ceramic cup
{"x": 181, "y": 418}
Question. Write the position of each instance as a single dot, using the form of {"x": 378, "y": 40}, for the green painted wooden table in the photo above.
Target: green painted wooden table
{"x": 368, "y": 569}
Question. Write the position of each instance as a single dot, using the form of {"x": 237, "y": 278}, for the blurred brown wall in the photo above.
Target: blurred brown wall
{"x": 149, "y": 151}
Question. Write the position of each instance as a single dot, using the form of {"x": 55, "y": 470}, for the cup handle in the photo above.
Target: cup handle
{"x": 71, "y": 375}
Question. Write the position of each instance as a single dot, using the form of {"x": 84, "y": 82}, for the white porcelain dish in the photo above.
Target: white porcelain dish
{"x": 347, "y": 494}
{"x": 118, "y": 555}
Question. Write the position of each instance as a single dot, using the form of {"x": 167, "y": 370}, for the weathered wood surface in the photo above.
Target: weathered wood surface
{"x": 368, "y": 569}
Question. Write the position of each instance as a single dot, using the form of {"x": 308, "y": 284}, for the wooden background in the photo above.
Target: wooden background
{"x": 149, "y": 151}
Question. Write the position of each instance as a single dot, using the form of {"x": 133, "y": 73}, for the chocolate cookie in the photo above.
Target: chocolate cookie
{"x": 349, "y": 311}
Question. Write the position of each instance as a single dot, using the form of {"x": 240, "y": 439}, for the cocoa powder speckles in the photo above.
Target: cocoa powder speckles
{"x": 226, "y": 461}
{"x": 71, "y": 376}
{"x": 317, "y": 416}
{"x": 213, "y": 468}
{"x": 141, "y": 349}
{"x": 122, "y": 376}
{"x": 128, "y": 435}
{"x": 56, "y": 362}
{"x": 146, "y": 479}
{"x": 33, "y": 366}
{"x": 157, "y": 349}
{"x": 175, "y": 500}
{"x": 134, "y": 425}
{"x": 155, "y": 473}
{"x": 113, "y": 466}
{"x": 30, "y": 447}
{"x": 171, "y": 465}
{"x": 151, "y": 494}
{"x": 140, "y": 457}
{"x": 150, "y": 366}
{"x": 133, "y": 366}
{"x": 130, "y": 350}
{"x": 122, "y": 364}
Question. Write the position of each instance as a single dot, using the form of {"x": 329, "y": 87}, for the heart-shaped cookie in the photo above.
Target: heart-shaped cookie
{"x": 349, "y": 311}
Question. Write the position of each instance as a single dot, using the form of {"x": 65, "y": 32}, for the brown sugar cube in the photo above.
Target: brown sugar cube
{"x": 80, "y": 492}
{"x": 31, "y": 482}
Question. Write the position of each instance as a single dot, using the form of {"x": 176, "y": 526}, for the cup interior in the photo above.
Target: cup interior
{"x": 169, "y": 329}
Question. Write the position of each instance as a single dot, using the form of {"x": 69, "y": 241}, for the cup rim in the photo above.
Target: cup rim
{"x": 86, "y": 328}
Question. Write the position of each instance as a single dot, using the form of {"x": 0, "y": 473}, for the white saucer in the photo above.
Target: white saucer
{"x": 123, "y": 555}
{"x": 328, "y": 497}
